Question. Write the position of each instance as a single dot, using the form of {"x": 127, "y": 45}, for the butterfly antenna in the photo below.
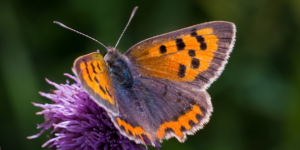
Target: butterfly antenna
{"x": 64, "y": 26}
{"x": 132, "y": 14}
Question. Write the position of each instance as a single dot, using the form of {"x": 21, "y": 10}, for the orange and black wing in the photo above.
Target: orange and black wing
{"x": 195, "y": 55}
{"x": 92, "y": 72}
{"x": 168, "y": 97}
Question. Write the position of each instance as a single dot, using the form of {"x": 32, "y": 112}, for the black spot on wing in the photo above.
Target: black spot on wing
{"x": 192, "y": 53}
{"x": 203, "y": 46}
{"x": 96, "y": 79}
{"x": 192, "y": 123}
{"x": 87, "y": 70}
{"x": 102, "y": 89}
{"x": 93, "y": 68}
{"x": 182, "y": 129}
{"x": 193, "y": 32}
{"x": 195, "y": 64}
{"x": 182, "y": 112}
{"x": 182, "y": 70}
{"x": 169, "y": 130}
{"x": 108, "y": 92}
{"x": 163, "y": 49}
{"x": 198, "y": 117}
{"x": 180, "y": 44}
{"x": 200, "y": 39}
{"x": 174, "y": 118}
{"x": 98, "y": 66}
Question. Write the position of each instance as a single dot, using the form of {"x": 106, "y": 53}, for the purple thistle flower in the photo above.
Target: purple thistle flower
{"x": 78, "y": 122}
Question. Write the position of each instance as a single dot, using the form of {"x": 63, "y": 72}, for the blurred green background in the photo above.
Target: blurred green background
{"x": 256, "y": 100}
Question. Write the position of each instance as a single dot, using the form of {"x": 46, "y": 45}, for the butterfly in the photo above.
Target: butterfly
{"x": 157, "y": 89}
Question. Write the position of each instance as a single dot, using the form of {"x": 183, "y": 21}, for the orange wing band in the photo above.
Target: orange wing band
{"x": 134, "y": 130}
{"x": 183, "y": 121}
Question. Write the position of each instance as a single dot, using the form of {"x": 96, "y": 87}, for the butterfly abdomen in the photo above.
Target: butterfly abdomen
{"x": 119, "y": 70}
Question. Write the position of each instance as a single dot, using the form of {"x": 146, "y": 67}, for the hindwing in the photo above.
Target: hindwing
{"x": 155, "y": 109}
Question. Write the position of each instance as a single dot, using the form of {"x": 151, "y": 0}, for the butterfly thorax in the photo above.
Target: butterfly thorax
{"x": 118, "y": 68}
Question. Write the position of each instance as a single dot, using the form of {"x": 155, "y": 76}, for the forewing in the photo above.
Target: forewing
{"x": 93, "y": 75}
{"x": 195, "y": 55}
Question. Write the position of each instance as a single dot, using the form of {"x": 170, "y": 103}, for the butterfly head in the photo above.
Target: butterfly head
{"x": 110, "y": 49}
{"x": 111, "y": 55}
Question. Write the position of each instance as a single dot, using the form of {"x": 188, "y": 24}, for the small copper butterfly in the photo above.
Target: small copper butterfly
{"x": 157, "y": 89}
